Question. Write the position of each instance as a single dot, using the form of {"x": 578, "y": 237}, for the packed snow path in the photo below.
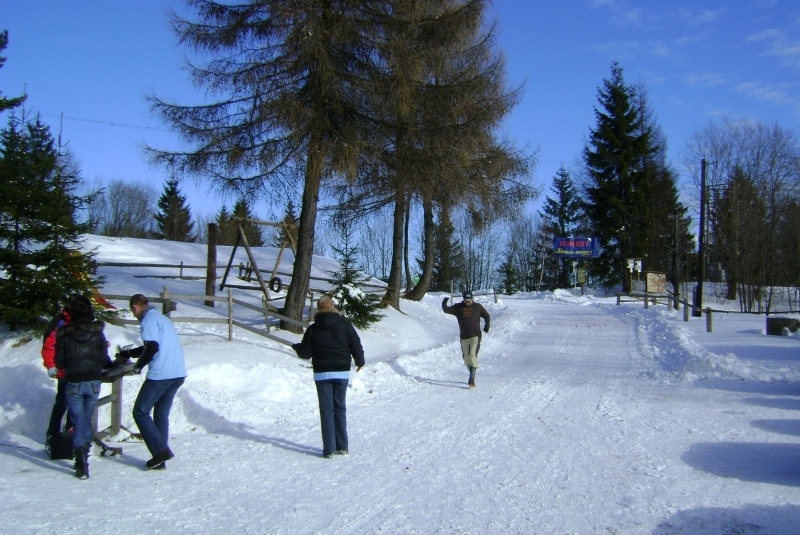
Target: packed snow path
{"x": 573, "y": 428}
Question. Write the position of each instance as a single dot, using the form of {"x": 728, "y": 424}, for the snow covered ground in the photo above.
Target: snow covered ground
{"x": 587, "y": 418}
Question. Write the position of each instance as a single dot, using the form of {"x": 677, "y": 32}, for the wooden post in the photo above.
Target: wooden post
{"x": 230, "y": 314}
{"x": 211, "y": 263}
{"x": 686, "y": 311}
{"x": 116, "y": 405}
{"x": 646, "y": 304}
{"x": 164, "y": 307}
{"x": 266, "y": 312}
{"x": 709, "y": 321}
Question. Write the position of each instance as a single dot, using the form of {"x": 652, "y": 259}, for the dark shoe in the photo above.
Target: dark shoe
{"x": 341, "y": 452}
{"x": 159, "y": 458}
{"x": 327, "y": 455}
{"x": 82, "y": 463}
{"x": 162, "y": 466}
{"x": 471, "y": 382}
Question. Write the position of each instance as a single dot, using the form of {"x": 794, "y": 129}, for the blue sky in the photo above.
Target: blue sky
{"x": 94, "y": 61}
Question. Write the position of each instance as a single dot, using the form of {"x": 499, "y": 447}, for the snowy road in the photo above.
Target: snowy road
{"x": 574, "y": 428}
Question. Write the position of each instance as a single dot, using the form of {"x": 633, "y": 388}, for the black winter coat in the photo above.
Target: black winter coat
{"x": 330, "y": 342}
{"x": 82, "y": 351}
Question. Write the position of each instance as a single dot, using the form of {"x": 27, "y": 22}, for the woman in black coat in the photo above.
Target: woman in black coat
{"x": 331, "y": 342}
{"x": 82, "y": 352}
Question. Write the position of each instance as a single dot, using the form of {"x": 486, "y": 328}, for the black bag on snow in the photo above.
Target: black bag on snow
{"x": 60, "y": 446}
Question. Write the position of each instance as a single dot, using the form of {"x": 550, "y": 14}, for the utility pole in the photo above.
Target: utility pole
{"x": 701, "y": 253}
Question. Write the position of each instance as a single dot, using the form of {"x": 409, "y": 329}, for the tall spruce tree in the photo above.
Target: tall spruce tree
{"x": 173, "y": 219}
{"x": 618, "y": 148}
{"x": 40, "y": 256}
{"x": 631, "y": 197}
{"x": 564, "y": 214}
{"x": 7, "y": 103}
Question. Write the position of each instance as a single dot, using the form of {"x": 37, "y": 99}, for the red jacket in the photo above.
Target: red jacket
{"x": 49, "y": 341}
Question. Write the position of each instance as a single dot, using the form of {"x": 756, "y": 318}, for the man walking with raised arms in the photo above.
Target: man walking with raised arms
{"x": 469, "y": 314}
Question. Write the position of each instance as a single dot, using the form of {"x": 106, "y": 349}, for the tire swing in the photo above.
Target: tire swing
{"x": 275, "y": 284}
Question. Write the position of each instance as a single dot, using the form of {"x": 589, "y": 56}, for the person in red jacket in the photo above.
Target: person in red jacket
{"x": 49, "y": 362}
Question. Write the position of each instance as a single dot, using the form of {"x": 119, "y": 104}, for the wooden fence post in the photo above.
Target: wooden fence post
{"x": 686, "y": 311}
{"x": 211, "y": 263}
{"x": 264, "y": 303}
{"x": 709, "y": 321}
{"x": 230, "y": 314}
{"x": 165, "y": 296}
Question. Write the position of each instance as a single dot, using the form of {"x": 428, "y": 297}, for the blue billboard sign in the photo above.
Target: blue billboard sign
{"x": 575, "y": 247}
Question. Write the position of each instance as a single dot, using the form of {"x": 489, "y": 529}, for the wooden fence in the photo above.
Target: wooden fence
{"x": 167, "y": 298}
{"x": 169, "y": 305}
{"x": 671, "y": 300}
{"x": 245, "y": 273}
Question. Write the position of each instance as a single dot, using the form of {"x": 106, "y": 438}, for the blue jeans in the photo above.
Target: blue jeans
{"x": 333, "y": 414}
{"x": 155, "y": 396}
{"x": 81, "y": 403}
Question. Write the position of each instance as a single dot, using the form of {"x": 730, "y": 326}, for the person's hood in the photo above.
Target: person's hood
{"x": 326, "y": 320}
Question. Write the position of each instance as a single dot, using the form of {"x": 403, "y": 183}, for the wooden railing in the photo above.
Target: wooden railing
{"x": 169, "y": 305}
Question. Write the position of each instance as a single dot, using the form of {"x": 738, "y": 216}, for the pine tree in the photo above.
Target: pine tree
{"x": 39, "y": 235}
{"x": 174, "y": 220}
{"x": 448, "y": 265}
{"x": 632, "y": 197}
{"x": 7, "y": 103}
{"x": 253, "y": 232}
{"x": 615, "y": 157}
{"x": 353, "y": 303}
{"x": 227, "y": 230}
{"x": 565, "y": 218}
{"x": 509, "y": 278}
{"x": 290, "y": 221}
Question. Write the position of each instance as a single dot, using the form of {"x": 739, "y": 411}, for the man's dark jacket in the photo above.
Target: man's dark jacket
{"x": 469, "y": 318}
{"x": 330, "y": 342}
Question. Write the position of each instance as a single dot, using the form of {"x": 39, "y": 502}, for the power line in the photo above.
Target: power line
{"x": 109, "y": 123}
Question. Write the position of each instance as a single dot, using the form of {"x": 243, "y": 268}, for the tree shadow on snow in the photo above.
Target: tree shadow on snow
{"x": 767, "y": 388}
{"x": 782, "y": 427}
{"x": 778, "y": 464}
{"x": 214, "y": 423}
{"x": 786, "y": 403}
{"x": 747, "y": 520}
